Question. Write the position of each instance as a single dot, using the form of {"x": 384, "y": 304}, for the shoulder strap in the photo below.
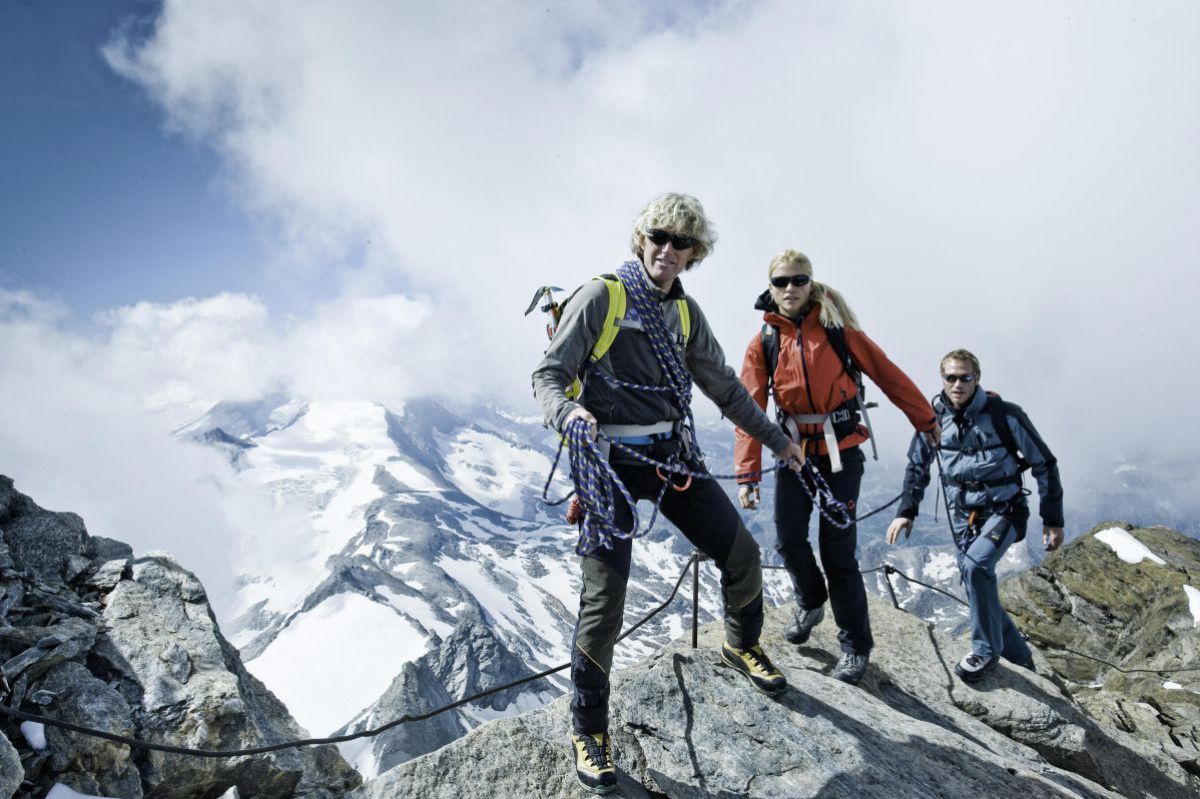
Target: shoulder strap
{"x": 616, "y": 312}
{"x": 685, "y": 318}
{"x": 617, "y": 303}
{"x": 997, "y": 409}
{"x": 837, "y": 340}
{"x": 770, "y": 346}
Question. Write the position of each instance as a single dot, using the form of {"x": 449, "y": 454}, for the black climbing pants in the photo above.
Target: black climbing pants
{"x": 842, "y": 582}
{"x": 706, "y": 517}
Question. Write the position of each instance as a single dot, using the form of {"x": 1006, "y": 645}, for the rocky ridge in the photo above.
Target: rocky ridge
{"x": 93, "y": 635}
{"x": 685, "y": 726}
{"x": 1135, "y": 616}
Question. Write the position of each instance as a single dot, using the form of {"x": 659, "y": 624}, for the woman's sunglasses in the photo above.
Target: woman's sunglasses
{"x": 795, "y": 280}
{"x": 661, "y": 237}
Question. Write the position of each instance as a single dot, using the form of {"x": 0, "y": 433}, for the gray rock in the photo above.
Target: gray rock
{"x": 90, "y": 765}
{"x": 196, "y": 693}
{"x": 414, "y": 691}
{"x": 11, "y": 770}
{"x": 153, "y": 667}
{"x": 470, "y": 661}
{"x": 473, "y": 660}
{"x": 108, "y": 574}
{"x": 685, "y": 726}
{"x": 102, "y": 550}
{"x": 1092, "y": 607}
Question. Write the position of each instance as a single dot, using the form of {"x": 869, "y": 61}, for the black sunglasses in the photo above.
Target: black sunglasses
{"x": 969, "y": 377}
{"x": 661, "y": 237}
{"x": 795, "y": 280}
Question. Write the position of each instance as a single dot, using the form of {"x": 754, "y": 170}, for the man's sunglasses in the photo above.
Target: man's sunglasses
{"x": 969, "y": 377}
{"x": 795, "y": 280}
{"x": 661, "y": 237}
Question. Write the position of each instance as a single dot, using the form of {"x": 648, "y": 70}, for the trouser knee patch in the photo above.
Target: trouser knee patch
{"x": 601, "y": 611}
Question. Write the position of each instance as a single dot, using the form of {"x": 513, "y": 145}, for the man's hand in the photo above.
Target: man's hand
{"x": 748, "y": 495}
{"x": 934, "y": 437}
{"x": 583, "y": 413}
{"x": 794, "y": 457}
{"x": 1052, "y": 538}
{"x": 899, "y": 523}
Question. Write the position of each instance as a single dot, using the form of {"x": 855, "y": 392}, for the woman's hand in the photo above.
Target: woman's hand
{"x": 748, "y": 495}
{"x": 898, "y": 524}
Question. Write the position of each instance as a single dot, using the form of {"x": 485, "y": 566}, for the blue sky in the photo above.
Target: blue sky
{"x": 101, "y": 206}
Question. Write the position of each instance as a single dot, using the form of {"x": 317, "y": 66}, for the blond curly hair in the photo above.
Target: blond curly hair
{"x": 683, "y": 215}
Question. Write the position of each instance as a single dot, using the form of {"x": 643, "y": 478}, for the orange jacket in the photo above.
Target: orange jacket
{"x": 810, "y": 378}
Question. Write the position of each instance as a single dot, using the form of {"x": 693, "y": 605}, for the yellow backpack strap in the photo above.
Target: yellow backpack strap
{"x": 685, "y": 318}
{"x": 608, "y": 332}
{"x": 616, "y": 312}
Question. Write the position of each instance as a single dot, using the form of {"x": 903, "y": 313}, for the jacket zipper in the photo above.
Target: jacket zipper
{"x": 804, "y": 366}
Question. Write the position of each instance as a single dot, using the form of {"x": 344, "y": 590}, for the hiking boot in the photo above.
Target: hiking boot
{"x": 974, "y": 668}
{"x": 850, "y": 668}
{"x": 798, "y": 632}
{"x": 593, "y": 762}
{"x": 757, "y": 667}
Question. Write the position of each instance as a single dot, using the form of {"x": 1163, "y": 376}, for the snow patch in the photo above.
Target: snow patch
{"x": 1193, "y": 597}
{"x": 35, "y": 735}
{"x": 1128, "y": 548}
{"x": 336, "y": 659}
{"x": 941, "y": 566}
{"x": 494, "y": 472}
{"x": 60, "y": 791}
{"x": 1172, "y": 686}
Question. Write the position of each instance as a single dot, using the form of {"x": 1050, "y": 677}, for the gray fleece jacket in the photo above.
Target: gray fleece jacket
{"x": 631, "y": 359}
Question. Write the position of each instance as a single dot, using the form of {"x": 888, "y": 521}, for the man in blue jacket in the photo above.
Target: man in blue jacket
{"x": 981, "y": 464}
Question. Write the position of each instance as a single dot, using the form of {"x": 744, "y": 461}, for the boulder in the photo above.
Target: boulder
{"x": 92, "y": 636}
{"x": 684, "y": 725}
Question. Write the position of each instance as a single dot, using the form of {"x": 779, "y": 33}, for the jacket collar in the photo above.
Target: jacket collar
{"x": 943, "y": 405}
{"x": 674, "y": 293}
{"x": 772, "y": 316}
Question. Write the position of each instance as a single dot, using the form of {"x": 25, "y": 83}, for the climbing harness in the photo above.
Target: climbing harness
{"x": 771, "y": 340}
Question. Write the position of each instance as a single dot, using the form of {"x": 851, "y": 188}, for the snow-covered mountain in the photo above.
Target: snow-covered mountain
{"x": 415, "y": 525}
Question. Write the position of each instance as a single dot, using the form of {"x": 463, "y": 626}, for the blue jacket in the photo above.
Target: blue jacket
{"x": 980, "y": 472}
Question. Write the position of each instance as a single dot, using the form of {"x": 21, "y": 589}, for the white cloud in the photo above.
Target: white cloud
{"x": 87, "y": 419}
{"x": 1021, "y": 181}
{"x": 1004, "y": 180}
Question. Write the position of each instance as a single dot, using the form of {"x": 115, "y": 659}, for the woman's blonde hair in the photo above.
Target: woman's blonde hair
{"x": 683, "y": 215}
{"x": 834, "y": 310}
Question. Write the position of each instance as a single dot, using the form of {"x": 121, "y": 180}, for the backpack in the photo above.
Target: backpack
{"x": 612, "y": 319}
{"x": 997, "y": 408}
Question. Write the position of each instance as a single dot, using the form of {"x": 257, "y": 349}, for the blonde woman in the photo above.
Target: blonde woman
{"x": 808, "y": 348}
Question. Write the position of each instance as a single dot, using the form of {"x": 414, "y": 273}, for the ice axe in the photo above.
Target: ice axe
{"x": 551, "y": 308}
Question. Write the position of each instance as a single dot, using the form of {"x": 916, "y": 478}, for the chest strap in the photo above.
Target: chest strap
{"x": 980, "y": 485}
